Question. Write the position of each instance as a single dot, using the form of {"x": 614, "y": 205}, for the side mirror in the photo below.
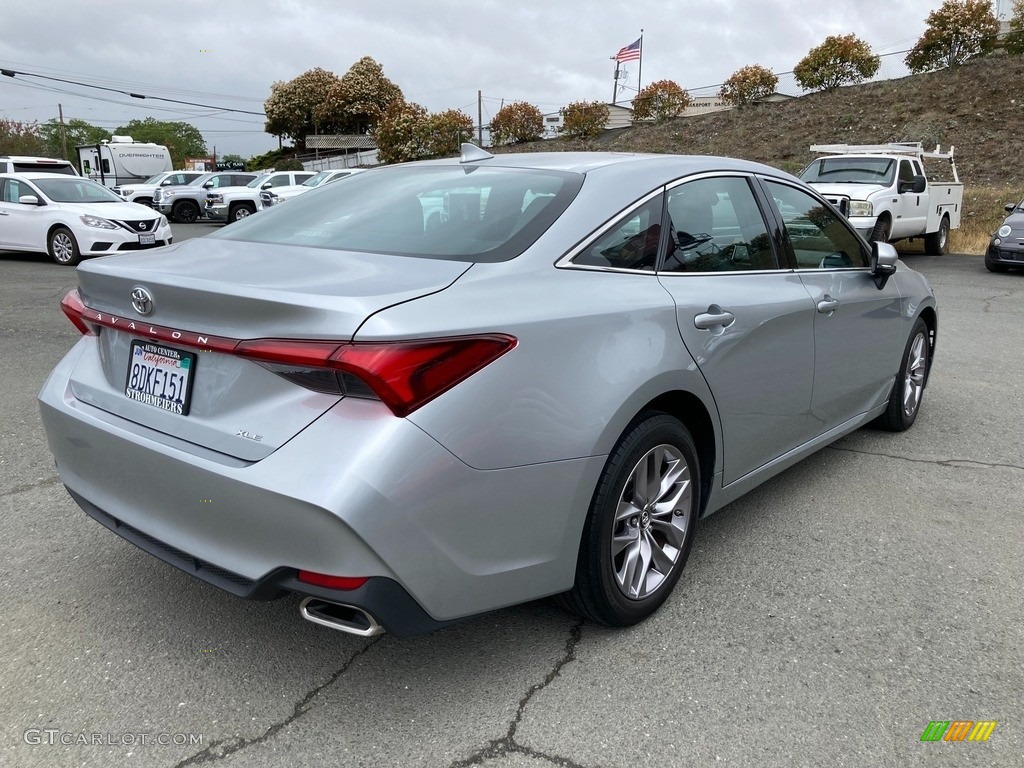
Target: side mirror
{"x": 883, "y": 263}
{"x": 266, "y": 185}
{"x": 1010, "y": 207}
{"x": 208, "y": 185}
{"x": 916, "y": 186}
{"x": 29, "y": 200}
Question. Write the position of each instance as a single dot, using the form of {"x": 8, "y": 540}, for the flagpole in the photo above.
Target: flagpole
{"x": 640, "y": 65}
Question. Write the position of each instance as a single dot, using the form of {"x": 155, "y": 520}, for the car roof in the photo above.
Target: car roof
{"x": 31, "y": 159}
{"x": 30, "y": 175}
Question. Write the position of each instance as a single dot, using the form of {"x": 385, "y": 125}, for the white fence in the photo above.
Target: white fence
{"x": 369, "y": 157}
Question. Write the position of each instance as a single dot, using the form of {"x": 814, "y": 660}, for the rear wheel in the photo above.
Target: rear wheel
{"x": 185, "y": 212}
{"x": 905, "y": 399}
{"x": 641, "y": 524}
{"x": 994, "y": 266}
{"x": 241, "y": 211}
{"x": 63, "y": 248}
{"x": 935, "y": 243}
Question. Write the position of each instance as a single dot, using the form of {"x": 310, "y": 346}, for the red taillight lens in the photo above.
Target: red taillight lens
{"x": 73, "y": 306}
{"x": 406, "y": 375}
{"x": 403, "y": 374}
{"x": 332, "y": 582}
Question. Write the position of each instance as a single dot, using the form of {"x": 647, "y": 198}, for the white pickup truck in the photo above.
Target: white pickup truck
{"x": 233, "y": 203}
{"x": 884, "y": 192}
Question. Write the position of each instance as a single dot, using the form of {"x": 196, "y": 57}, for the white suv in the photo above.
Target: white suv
{"x": 270, "y": 197}
{"x": 233, "y": 203}
{"x": 143, "y": 193}
{"x": 23, "y": 164}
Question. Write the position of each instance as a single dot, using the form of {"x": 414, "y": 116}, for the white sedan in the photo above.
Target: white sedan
{"x": 271, "y": 197}
{"x": 71, "y": 218}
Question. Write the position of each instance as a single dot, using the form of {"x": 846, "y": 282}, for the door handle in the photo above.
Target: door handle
{"x": 715, "y": 317}
{"x": 828, "y": 304}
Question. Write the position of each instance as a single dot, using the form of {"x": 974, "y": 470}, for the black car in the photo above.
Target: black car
{"x": 1007, "y": 247}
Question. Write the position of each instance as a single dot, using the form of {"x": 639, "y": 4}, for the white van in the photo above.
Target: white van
{"x": 122, "y": 160}
{"x": 23, "y": 164}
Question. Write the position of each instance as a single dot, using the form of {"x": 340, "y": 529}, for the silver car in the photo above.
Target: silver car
{"x": 446, "y": 387}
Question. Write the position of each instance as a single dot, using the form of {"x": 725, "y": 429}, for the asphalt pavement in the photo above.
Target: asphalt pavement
{"x": 823, "y": 620}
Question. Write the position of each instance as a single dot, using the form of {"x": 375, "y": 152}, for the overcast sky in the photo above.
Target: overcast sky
{"x": 226, "y": 53}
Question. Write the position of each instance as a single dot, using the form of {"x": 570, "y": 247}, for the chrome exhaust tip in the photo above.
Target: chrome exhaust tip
{"x": 344, "y": 618}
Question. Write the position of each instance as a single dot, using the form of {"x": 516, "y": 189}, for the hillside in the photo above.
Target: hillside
{"x": 978, "y": 107}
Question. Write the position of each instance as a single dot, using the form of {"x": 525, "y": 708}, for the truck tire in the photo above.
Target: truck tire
{"x": 185, "y": 212}
{"x": 882, "y": 229}
{"x": 935, "y": 243}
{"x": 240, "y": 211}
{"x": 146, "y": 201}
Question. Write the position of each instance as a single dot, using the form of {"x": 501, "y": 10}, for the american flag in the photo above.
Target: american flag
{"x": 630, "y": 53}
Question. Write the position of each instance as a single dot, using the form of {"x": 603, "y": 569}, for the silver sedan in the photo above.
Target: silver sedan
{"x": 443, "y": 388}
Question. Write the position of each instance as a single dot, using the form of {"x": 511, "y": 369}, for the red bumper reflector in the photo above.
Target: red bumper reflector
{"x": 332, "y": 582}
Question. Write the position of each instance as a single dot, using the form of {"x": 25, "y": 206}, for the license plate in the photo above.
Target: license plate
{"x": 149, "y": 239}
{"x": 160, "y": 376}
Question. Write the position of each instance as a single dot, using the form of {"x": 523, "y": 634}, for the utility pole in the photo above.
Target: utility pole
{"x": 480, "y": 118}
{"x": 63, "y": 133}
{"x": 615, "y": 83}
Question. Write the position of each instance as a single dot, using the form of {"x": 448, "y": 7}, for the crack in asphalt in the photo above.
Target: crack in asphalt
{"x": 956, "y": 463}
{"x": 989, "y": 299}
{"x": 228, "y": 747}
{"x": 29, "y": 486}
{"x": 507, "y": 744}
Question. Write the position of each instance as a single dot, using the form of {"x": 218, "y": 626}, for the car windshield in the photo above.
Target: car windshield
{"x": 851, "y": 170}
{"x": 317, "y": 180}
{"x": 155, "y": 179}
{"x": 440, "y": 211}
{"x": 75, "y": 191}
{"x": 257, "y": 181}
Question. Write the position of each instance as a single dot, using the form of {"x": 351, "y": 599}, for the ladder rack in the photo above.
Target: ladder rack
{"x": 911, "y": 148}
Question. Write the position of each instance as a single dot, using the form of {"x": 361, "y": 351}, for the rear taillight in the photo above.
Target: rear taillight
{"x": 403, "y": 374}
{"x": 73, "y": 306}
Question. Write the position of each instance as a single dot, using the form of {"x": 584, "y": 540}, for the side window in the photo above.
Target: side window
{"x": 906, "y": 172}
{"x": 716, "y": 226}
{"x": 631, "y": 243}
{"x": 819, "y": 237}
{"x": 301, "y": 177}
{"x": 279, "y": 181}
{"x": 337, "y": 176}
{"x": 240, "y": 181}
{"x": 106, "y": 166}
{"x": 4, "y": 190}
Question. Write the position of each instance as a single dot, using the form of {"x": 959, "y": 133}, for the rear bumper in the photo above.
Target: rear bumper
{"x": 357, "y": 493}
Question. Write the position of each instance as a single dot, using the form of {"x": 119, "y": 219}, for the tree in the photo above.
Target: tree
{"x": 659, "y": 101}
{"x": 18, "y": 138}
{"x": 748, "y": 84}
{"x": 584, "y": 119}
{"x": 400, "y": 133}
{"x": 1015, "y": 39}
{"x": 181, "y": 139}
{"x": 959, "y": 30}
{"x": 364, "y": 95}
{"x": 516, "y": 123}
{"x": 307, "y": 104}
{"x": 445, "y": 132}
{"x": 408, "y": 132}
{"x": 840, "y": 60}
{"x": 76, "y": 132}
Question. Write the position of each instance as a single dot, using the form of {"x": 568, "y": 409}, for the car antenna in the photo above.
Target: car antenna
{"x": 471, "y": 153}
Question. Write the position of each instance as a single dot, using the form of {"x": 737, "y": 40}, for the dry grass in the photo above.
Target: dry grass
{"x": 973, "y": 107}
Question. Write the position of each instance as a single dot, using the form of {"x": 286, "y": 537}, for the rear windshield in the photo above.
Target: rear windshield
{"x": 464, "y": 213}
{"x": 850, "y": 170}
{"x": 45, "y": 168}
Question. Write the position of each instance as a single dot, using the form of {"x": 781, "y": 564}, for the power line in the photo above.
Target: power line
{"x": 12, "y": 73}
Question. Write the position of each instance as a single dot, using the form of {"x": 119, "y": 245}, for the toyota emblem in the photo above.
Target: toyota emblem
{"x": 142, "y": 300}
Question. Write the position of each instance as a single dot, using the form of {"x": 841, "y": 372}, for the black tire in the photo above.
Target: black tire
{"x": 935, "y": 243}
{"x": 146, "y": 201}
{"x": 904, "y": 405}
{"x": 62, "y": 247}
{"x": 994, "y": 266}
{"x": 185, "y": 212}
{"x": 652, "y": 445}
{"x": 883, "y": 227}
{"x": 240, "y": 211}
